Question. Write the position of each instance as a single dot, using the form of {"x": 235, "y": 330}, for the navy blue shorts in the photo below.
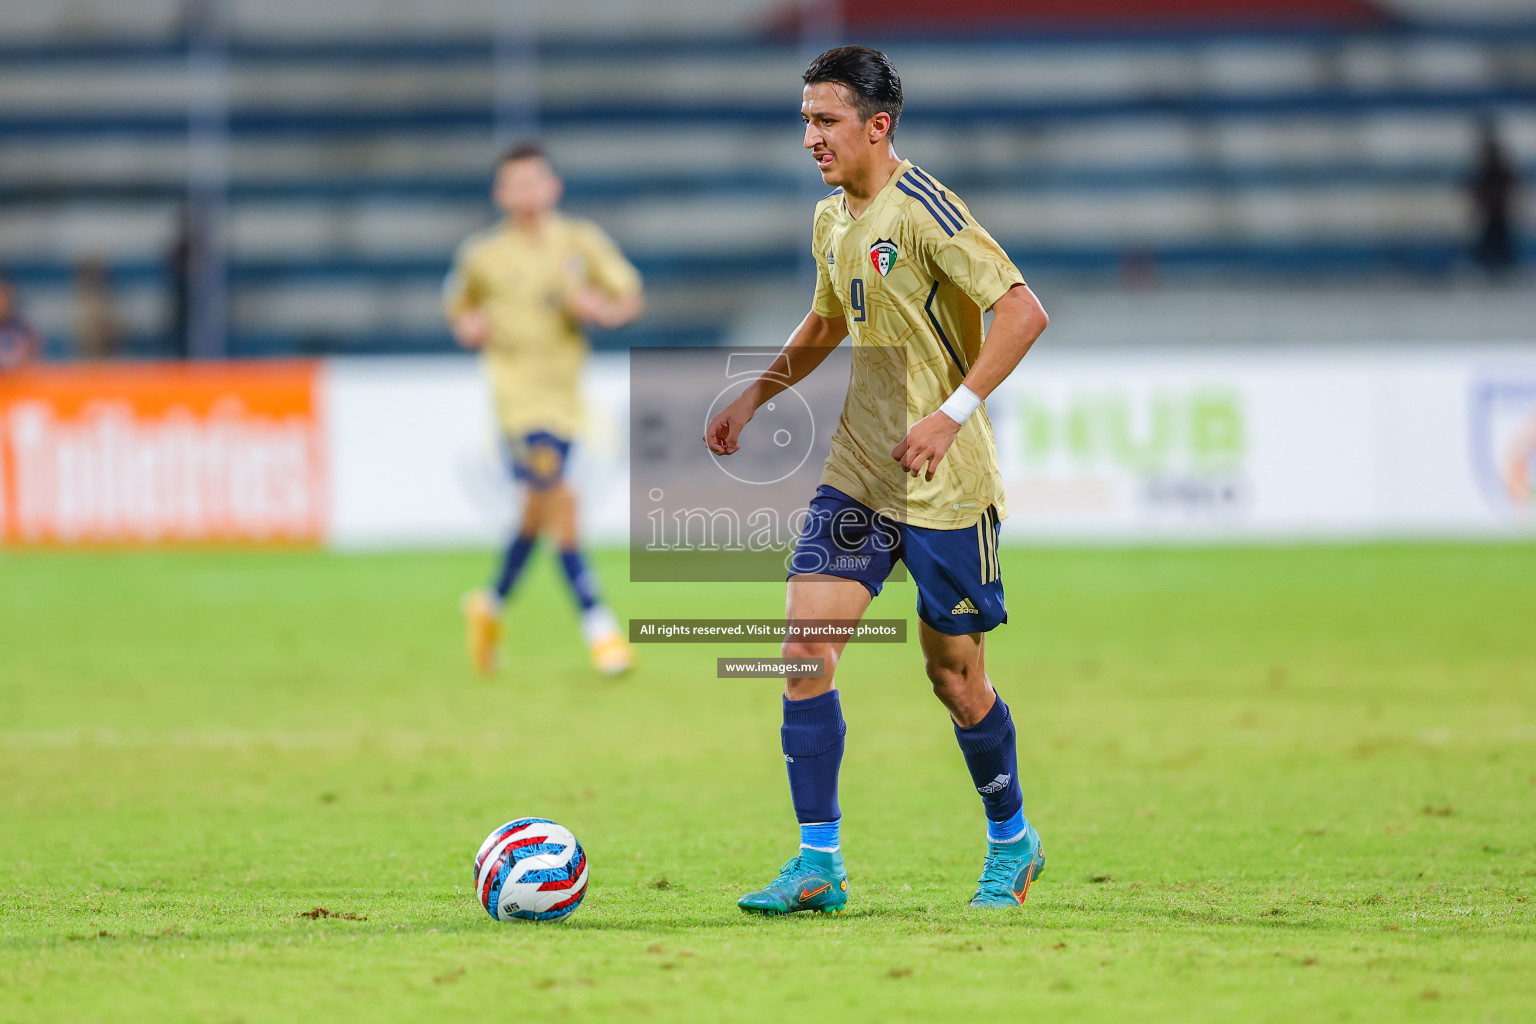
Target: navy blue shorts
{"x": 958, "y": 577}
{"x": 538, "y": 459}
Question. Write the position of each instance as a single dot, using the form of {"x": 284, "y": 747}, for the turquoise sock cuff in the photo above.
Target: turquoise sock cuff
{"x": 821, "y": 835}
{"x": 1007, "y": 830}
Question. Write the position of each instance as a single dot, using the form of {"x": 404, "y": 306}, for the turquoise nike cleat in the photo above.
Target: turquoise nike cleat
{"x": 1009, "y": 870}
{"x": 813, "y": 880}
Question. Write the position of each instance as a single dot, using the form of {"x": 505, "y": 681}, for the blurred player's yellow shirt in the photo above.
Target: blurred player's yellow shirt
{"x": 912, "y": 276}
{"x": 523, "y": 282}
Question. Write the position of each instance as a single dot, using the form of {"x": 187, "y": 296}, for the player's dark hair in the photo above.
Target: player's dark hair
{"x": 523, "y": 150}
{"x": 868, "y": 74}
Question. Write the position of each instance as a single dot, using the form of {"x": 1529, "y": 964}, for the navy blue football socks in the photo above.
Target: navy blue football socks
{"x": 576, "y": 574}
{"x": 812, "y": 738}
{"x": 991, "y": 753}
{"x": 512, "y": 564}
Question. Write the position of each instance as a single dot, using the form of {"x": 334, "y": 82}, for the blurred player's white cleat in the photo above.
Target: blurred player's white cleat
{"x": 611, "y": 653}
{"x": 482, "y": 631}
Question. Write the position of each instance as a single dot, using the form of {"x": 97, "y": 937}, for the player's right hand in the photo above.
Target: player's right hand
{"x": 472, "y": 328}
{"x": 723, "y": 431}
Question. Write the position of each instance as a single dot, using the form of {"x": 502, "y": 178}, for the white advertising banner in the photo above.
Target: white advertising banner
{"x": 1291, "y": 443}
{"x": 416, "y": 459}
{"x": 1191, "y": 445}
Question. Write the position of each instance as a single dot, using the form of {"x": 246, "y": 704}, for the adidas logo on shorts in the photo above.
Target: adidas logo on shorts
{"x": 965, "y": 607}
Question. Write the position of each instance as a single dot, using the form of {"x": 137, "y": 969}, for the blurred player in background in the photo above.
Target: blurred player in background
{"x": 902, "y": 263}
{"x": 520, "y": 293}
{"x": 20, "y": 343}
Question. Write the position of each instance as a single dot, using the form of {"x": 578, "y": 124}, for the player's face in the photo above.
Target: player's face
{"x": 527, "y": 187}
{"x": 838, "y": 139}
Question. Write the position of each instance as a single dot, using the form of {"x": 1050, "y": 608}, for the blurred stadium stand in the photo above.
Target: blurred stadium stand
{"x": 1165, "y": 170}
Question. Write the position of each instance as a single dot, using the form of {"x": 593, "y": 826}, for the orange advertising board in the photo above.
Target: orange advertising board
{"x": 163, "y": 453}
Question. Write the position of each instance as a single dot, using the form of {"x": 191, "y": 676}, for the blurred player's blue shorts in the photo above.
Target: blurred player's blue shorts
{"x": 958, "y": 577}
{"x": 538, "y": 459}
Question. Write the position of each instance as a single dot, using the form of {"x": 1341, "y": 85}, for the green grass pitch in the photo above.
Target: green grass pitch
{"x": 1285, "y": 784}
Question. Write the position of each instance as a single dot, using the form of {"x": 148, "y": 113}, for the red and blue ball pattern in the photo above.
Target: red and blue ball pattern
{"x": 530, "y": 869}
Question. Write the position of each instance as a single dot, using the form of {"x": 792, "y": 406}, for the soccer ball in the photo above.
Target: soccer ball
{"x": 530, "y": 869}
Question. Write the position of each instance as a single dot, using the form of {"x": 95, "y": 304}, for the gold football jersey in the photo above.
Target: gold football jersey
{"x": 523, "y": 281}
{"x": 912, "y": 277}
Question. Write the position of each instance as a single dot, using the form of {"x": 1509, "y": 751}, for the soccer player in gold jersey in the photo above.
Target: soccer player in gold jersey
{"x": 519, "y": 293}
{"x": 903, "y": 268}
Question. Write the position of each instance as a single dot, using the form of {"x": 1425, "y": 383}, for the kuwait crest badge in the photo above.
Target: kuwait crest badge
{"x": 883, "y": 255}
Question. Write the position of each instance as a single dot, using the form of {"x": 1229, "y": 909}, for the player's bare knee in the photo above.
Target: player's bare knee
{"x": 811, "y": 686}
{"x": 950, "y": 677}
{"x": 801, "y": 649}
{"x": 534, "y": 506}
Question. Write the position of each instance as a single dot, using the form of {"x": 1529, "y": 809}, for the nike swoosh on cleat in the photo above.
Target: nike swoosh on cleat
{"x": 1020, "y": 894}
{"x": 817, "y": 892}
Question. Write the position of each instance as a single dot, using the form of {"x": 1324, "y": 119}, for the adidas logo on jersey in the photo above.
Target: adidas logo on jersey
{"x": 997, "y": 785}
{"x": 965, "y": 607}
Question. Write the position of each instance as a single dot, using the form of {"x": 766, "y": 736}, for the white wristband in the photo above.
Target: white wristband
{"x": 960, "y": 405}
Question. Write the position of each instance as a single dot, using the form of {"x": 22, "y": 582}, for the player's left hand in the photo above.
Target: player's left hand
{"x": 925, "y": 444}
{"x": 593, "y": 307}
{"x": 590, "y": 306}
